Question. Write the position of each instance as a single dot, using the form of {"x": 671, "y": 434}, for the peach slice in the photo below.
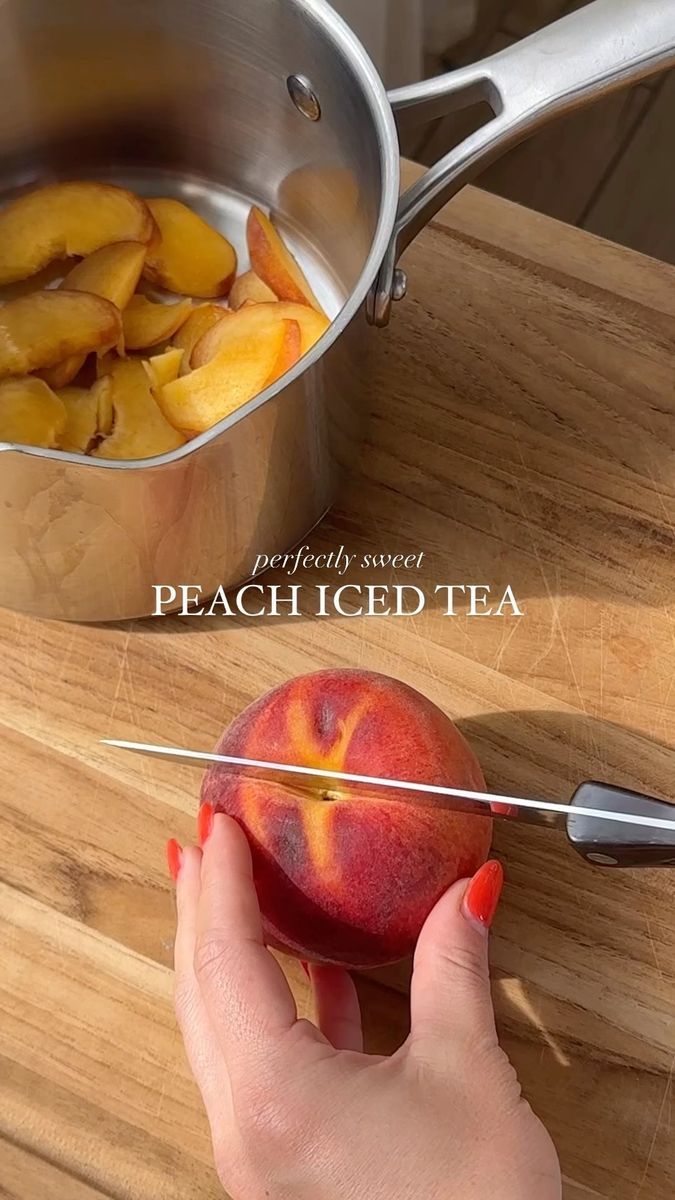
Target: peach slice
{"x": 104, "y": 403}
{"x": 45, "y": 328}
{"x": 274, "y": 263}
{"x": 30, "y": 413}
{"x": 147, "y": 324}
{"x": 64, "y": 372}
{"x": 163, "y": 368}
{"x": 105, "y": 363}
{"x": 111, "y": 272}
{"x": 249, "y": 287}
{"x": 63, "y": 219}
{"x": 289, "y": 351}
{"x": 255, "y": 319}
{"x": 139, "y": 430}
{"x": 192, "y": 258}
{"x": 244, "y": 367}
{"x": 82, "y": 410}
{"x": 201, "y": 319}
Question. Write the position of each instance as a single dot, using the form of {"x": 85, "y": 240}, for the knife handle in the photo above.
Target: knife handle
{"x": 612, "y": 844}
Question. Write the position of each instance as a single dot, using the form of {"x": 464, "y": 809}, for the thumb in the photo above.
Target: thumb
{"x": 450, "y": 1001}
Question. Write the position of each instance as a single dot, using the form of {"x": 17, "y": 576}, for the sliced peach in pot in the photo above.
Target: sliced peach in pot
{"x": 139, "y": 430}
{"x": 82, "y": 410}
{"x": 274, "y": 263}
{"x": 249, "y": 287}
{"x": 289, "y": 351}
{"x": 256, "y": 318}
{"x": 163, "y": 368}
{"x": 45, "y": 328}
{"x": 30, "y": 413}
{"x": 63, "y": 219}
{"x": 244, "y": 367}
{"x": 104, "y": 404}
{"x": 191, "y": 257}
{"x": 111, "y": 272}
{"x": 105, "y": 363}
{"x": 147, "y": 324}
{"x": 64, "y": 372}
{"x": 201, "y": 319}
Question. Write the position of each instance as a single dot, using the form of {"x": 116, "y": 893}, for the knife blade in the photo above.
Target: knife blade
{"x": 486, "y": 804}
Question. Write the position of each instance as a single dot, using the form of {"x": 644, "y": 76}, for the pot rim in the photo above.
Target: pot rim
{"x": 347, "y": 44}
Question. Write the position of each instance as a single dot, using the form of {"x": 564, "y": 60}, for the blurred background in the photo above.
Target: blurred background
{"x": 608, "y": 169}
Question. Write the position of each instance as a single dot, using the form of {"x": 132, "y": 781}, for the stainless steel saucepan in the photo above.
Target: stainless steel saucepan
{"x": 221, "y": 102}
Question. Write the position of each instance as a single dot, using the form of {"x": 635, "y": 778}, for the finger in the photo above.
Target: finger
{"x": 450, "y": 1001}
{"x": 338, "y": 1013}
{"x": 244, "y": 989}
{"x": 201, "y": 1043}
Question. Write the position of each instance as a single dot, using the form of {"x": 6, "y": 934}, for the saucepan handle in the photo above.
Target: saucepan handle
{"x": 604, "y": 46}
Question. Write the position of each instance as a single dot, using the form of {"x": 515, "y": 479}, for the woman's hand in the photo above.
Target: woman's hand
{"x": 301, "y": 1113}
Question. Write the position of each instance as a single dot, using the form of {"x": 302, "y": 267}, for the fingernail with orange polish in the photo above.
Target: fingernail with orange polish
{"x": 204, "y": 823}
{"x": 174, "y": 858}
{"x": 482, "y": 895}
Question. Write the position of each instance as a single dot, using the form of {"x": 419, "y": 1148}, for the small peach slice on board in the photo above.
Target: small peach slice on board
{"x": 201, "y": 319}
{"x": 139, "y": 428}
{"x": 63, "y": 219}
{"x": 250, "y": 288}
{"x": 147, "y": 324}
{"x": 191, "y": 258}
{"x": 274, "y": 263}
{"x": 244, "y": 367}
{"x": 255, "y": 319}
{"x": 45, "y": 328}
{"x": 163, "y": 368}
{"x": 81, "y": 405}
{"x": 30, "y": 413}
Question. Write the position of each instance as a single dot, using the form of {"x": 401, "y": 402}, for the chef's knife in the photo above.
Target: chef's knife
{"x": 608, "y": 826}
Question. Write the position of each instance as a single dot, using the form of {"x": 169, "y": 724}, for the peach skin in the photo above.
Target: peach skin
{"x": 343, "y": 877}
{"x": 273, "y": 262}
{"x": 242, "y": 368}
{"x": 256, "y": 320}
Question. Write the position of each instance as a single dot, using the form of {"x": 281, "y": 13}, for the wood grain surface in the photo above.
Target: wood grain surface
{"x": 522, "y": 433}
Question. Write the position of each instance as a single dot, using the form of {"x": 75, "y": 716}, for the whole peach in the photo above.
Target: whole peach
{"x": 342, "y": 876}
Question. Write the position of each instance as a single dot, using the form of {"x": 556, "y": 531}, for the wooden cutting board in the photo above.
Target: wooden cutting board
{"x": 523, "y": 434}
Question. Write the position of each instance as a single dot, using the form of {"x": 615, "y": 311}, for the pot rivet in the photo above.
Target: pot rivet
{"x": 399, "y": 286}
{"x": 304, "y": 97}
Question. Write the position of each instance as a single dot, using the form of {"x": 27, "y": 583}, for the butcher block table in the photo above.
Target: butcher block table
{"x": 523, "y": 435}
